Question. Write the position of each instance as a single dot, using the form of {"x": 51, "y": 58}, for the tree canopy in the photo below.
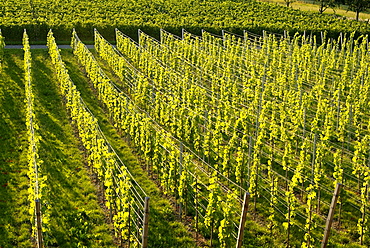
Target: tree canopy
{"x": 358, "y": 6}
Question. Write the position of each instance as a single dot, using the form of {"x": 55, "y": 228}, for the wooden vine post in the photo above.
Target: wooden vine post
{"x": 329, "y": 219}
{"x": 363, "y": 219}
{"x": 144, "y": 242}
{"x": 38, "y": 224}
{"x": 196, "y": 210}
{"x": 180, "y": 173}
{"x": 250, "y": 150}
{"x": 242, "y": 220}
{"x": 128, "y": 226}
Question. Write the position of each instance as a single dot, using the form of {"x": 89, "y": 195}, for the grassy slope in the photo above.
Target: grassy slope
{"x": 304, "y": 6}
{"x": 14, "y": 218}
{"x": 72, "y": 197}
{"x": 164, "y": 228}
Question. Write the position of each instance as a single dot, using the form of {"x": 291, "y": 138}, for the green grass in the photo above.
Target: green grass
{"x": 14, "y": 218}
{"x": 71, "y": 195}
{"x": 76, "y": 218}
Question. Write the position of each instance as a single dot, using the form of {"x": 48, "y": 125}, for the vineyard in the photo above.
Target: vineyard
{"x": 38, "y": 16}
{"x": 246, "y": 141}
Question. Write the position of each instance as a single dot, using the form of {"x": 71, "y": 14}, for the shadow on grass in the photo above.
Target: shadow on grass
{"x": 14, "y": 217}
{"x": 69, "y": 192}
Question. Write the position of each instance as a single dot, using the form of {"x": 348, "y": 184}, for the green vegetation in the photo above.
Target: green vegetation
{"x": 73, "y": 205}
{"x": 76, "y": 219}
{"x": 2, "y": 45}
{"x": 71, "y": 196}
{"x": 261, "y": 117}
{"x": 161, "y": 212}
{"x": 173, "y": 15}
{"x": 14, "y": 222}
{"x": 341, "y": 8}
{"x": 196, "y": 123}
{"x": 163, "y": 159}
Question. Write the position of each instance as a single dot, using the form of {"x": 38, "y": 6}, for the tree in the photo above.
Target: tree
{"x": 324, "y": 4}
{"x": 289, "y": 2}
{"x": 358, "y": 6}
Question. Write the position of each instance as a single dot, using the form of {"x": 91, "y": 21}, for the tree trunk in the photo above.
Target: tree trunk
{"x": 322, "y": 6}
{"x": 357, "y": 14}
